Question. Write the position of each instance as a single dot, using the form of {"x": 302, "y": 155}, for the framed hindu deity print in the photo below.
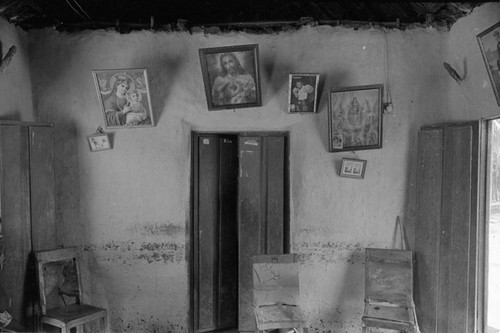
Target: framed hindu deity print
{"x": 355, "y": 118}
{"x": 489, "y": 43}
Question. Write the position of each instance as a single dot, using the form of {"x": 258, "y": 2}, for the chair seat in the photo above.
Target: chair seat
{"x": 73, "y": 315}
{"x": 277, "y": 316}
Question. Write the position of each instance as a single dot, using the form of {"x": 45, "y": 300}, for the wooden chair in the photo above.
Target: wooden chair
{"x": 389, "y": 291}
{"x": 276, "y": 293}
{"x": 61, "y": 295}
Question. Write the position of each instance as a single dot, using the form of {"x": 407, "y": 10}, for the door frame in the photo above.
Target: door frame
{"x": 193, "y": 211}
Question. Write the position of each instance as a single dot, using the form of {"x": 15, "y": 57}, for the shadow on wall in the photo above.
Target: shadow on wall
{"x": 69, "y": 224}
{"x": 269, "y": 68}
{"x": 162, "y": 75}
{"x": 321, "y": 120}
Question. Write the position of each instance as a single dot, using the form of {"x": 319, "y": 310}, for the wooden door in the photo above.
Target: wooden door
{"x": 27, "y": 212}
{"x": 215, "y": 232}
{"x": 262, "y": 211}
{"x": 450, "y": 161}
{"x": 239, "y": 210}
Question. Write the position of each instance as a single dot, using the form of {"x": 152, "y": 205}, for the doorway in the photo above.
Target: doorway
{"x": 239, "y": 209}
{"x": 492, "y": 232}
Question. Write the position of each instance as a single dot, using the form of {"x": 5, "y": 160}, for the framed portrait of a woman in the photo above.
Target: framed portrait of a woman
{"x": 124, "y": 97}
{"x": 231, "y": 76}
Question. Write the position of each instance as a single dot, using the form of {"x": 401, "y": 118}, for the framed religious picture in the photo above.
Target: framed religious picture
{"x": 355, "y": 118}
{"x": 99, "y": 141}
{"x": 124, "y": 97}
{"x": 302, "y": 92}
{"x": 352, "y": 168}
{"x": 231, "y": 76}
{"x": 489, "y": 43}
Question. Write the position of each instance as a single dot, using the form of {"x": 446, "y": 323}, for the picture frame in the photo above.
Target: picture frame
{"x": 303, "y": 92}
{"x": 353, "y": 168}
{"x": 126, "y": 90}
{"x": 489, "y": 43}
{"x": 355, "y": 118}
{"x": 231, "y": 76}
{"x": 99, "y": 142}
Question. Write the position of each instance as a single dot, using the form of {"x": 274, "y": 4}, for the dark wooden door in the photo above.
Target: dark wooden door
{"x": 262, "y": 211}
{"x": 446, "y": 239}
{"x": 215, "y": 232}
{"x": 27, "y": 213}
{"x": 239, "y": 210}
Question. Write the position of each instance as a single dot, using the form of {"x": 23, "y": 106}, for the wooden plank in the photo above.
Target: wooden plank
{"x": 16, "y": 225}
{"x": 275, "y": 161}
{"x": 228, "y": 234}
{"x": 427, "y": 231}
{"x": 42, "y": 188}
{"x": 460, "y": 144}
{"x": 389, "y": 276}
{"x": 250, "y": 219}
{"x": 207, "y": 238}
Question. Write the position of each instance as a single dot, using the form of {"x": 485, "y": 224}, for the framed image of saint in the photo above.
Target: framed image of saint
{"x": 355, "y": 118}
{"x": 231, "y": 76}
{"x": 489, "y": 43}
{"x": 124, "y": 97}
{"x": 302, "y": 92}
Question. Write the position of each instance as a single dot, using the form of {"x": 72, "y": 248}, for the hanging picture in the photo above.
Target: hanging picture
{"x": 231, "y": 76}
{"x": 353, "y": 168}
{"x": 489, "y": 43}
{"x": 124, "y": 97}
{"x": 99, "y": 141}
{"x": 355, "y": 118}
{"x": 302, "y": 92}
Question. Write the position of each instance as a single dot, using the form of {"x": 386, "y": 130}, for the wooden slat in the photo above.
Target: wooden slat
{"x": 42, "y": 188}
{"x": 427, "y": 231}
{"x": 275, "y": 161}
{"x": 228, "y": 234}
{"x": 459, "y": 143}
{"x": 250, "y": 217}
{"x": 16, "y": 225}
{"x": 207, "y": 232}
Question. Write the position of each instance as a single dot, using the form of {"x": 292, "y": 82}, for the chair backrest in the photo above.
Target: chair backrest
{"x": 59, "y": 279}
{"x": 275, "y": 279}
{"x": 389, "y": 276}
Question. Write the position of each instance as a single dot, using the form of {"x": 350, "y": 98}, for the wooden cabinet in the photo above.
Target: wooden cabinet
{"x": 449, "y": 199}
{"x": 27, "y": 204}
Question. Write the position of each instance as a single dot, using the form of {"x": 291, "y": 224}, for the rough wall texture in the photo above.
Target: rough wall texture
{"x": 129, "y": 210}
{"x": 15, "y": 82}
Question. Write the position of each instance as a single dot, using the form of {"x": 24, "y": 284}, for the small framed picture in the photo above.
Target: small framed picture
{"x": 99, "y": 141}
{"x": 355, "y": 118}
{"x": 489, "y": 43}
{"x": 303, "y": 92}
{"x": 353, "y": 168}
{"x": 124, "y": 97}
{"x": 231, "y": 76}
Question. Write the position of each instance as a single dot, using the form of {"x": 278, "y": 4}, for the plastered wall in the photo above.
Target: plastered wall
{"x": 15, "y": 82}
{"x": 129, "y": 209}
